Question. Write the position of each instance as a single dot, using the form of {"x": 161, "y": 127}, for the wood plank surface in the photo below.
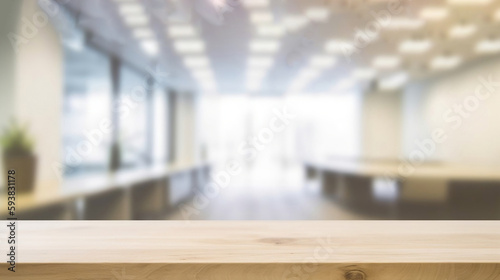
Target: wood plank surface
{"x": 256, "y": 250}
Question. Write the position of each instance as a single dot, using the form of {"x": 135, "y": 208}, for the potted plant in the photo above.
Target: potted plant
{"x": 17, "y": 147}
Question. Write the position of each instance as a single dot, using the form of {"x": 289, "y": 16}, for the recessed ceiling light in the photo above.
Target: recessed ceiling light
{"x": 142, "y": 32}
{"x": 415, "y": 46}
{"x": 136, "y": 20}
{"x": 264, "y": 46}
{"x": 397, "y": 23}
{"x": 339, "y": 47}
{"x": 462, "y": 30}
{"x": 445, "y": 62}
{"x": 318, "y": 13}
{"x": 386, "y": 62}
{"x": 364, "y": 73}
{"x": 130, "y": 8}
{"x": 393, "y": 81}
{"x": 256, "y": 3}
{"x": 260, "y": 61}
{"x": 295, "y": 23}
{"x": 189, "y": 46}
{"x": 261, "y": 17}
{"x": 469, "y": 2}
{"x": 270, "y": 30}
{"x": 488, "y": 46}
{"x": 150, "y": 47}
{"x": 198, "y": 61}
{"x": 434, "y": 13}
{"x": 181, "y": 30}
{"x": 322, "y": 61}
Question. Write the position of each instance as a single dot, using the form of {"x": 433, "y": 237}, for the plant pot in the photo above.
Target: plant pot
{"x": 25, "y": 167}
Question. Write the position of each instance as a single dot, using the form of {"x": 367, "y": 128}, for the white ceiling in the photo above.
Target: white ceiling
{"x": 238, "y": 54}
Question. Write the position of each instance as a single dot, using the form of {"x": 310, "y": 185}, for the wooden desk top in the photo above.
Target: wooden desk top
{"x": 47, "y": 193}
{"x": 83, "y": 242}
{"x": 395, "y": 169}
{"x": 298, "y": 250}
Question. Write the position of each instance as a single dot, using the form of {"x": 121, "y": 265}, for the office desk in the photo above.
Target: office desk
{"x": 403, "y": 170}
{"x": 320, "y": 250}
{"x": 420, "y": 182}
{"x": 120, "y": 191}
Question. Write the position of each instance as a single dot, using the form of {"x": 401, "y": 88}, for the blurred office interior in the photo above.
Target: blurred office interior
{"x": 251, "y": 109}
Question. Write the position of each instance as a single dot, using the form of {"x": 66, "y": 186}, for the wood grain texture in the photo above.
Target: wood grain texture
{"x": 256, "y": 250}
{"x": 258, "y": 241}
{"x": 296, "y": 271}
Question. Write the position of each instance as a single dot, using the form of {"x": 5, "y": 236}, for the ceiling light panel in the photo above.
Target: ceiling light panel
{"x": 189, "y": 46}
{"x": 143, "y": 32}
{"x": 434, "y": 13}
{"x": 295, "y": 22}
{"x": 322, "y": 61}
{"x": 136, "y": 20}
{"x": 364, "y": 73}
{"x": 270, "y": 30}
{"x": 255, "y": 4}
{"x": 470, "y": 2}
{"x": 399, "y": 23}
{"x": 386, "y": 62}
{"x": 318, "y": 13}
{"x": 130, "y": 8}
{"x": 260, "y": 61}
{"x": 462, "y": 31}
{"x": 488, "y": 46}
{"x": 264, "y": 46}
{"x": 202, "y": 74}
{"x": 415, "y": 46}
{"x": 394, "y": 81}
{"x": 150, "y": 47}
{"x": 445, "y": 62}
{"x": 261, "y": 17}
{"x": 199, "y": 61}
{"x": 339, "y": 47}
{"x": 181, "y": 30}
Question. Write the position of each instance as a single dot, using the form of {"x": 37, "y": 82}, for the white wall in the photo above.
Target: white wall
{"x": 38, "y": 81}
{"x": 381, "y": 125}
{"x": 473, "y": 138}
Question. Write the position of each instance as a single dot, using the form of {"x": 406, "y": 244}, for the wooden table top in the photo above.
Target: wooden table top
{"x": 253, "y": 242}
{"x": 47, "y": 193}
{"x": 396, "y": 169}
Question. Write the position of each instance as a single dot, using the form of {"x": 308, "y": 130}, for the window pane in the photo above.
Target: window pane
{"x": 133, "y": 118}
{"x": 160, "y": 126}
{"x": 86, "y": 106}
